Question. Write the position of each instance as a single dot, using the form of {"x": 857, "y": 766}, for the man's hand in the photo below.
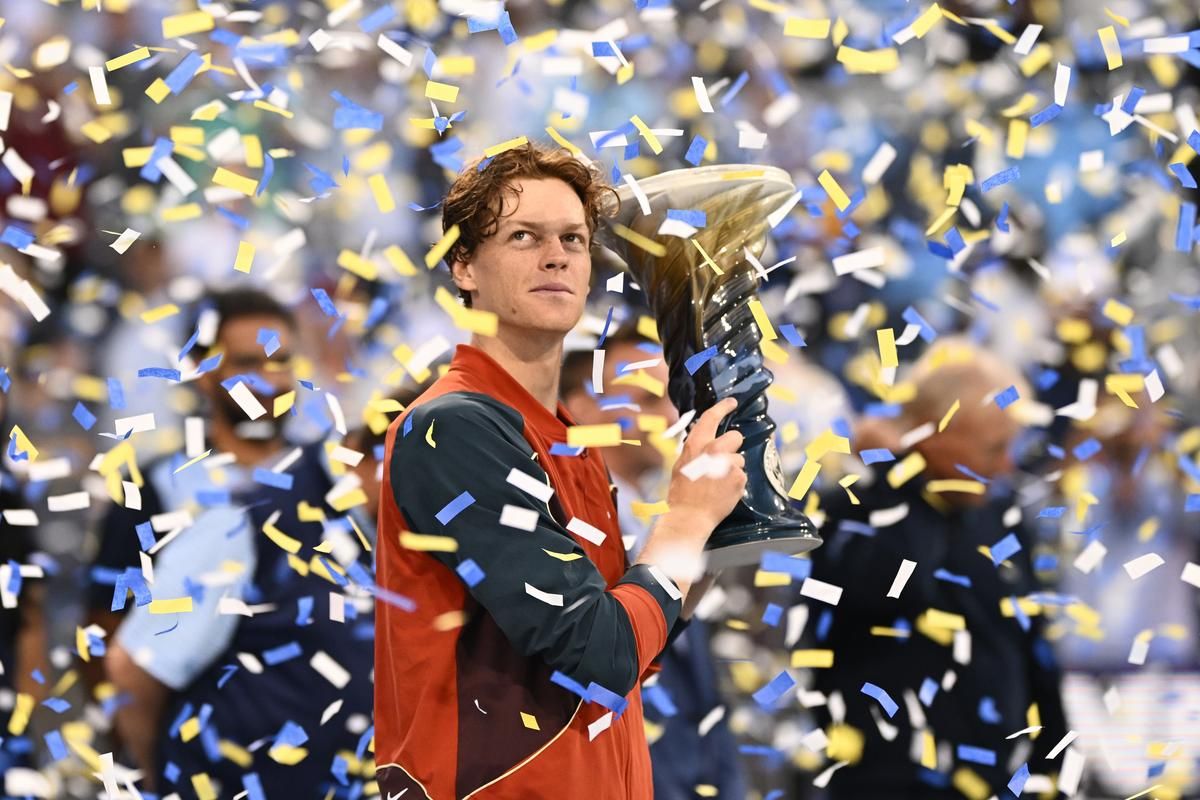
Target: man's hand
{"x": 139, "y": 720}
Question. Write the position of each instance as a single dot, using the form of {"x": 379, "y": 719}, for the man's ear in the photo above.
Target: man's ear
{"x": 463, "y": 275}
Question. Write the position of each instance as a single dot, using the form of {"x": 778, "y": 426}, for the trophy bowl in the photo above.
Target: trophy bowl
{"x": 699, "y": 285}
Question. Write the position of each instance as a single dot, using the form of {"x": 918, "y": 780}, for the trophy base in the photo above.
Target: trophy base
{"x": 743, "y": 545}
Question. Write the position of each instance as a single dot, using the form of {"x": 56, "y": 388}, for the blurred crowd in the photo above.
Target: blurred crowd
{"x": 1007, "y": 187}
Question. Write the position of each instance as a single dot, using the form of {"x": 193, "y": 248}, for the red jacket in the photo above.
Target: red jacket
{"x": 490, "y": 637}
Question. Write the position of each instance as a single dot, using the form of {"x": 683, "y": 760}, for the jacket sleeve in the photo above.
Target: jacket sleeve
{"x": 452, "y": 475}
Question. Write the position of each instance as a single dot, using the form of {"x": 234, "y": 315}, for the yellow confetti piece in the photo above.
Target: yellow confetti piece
{"x": 834, "y": 190}
{"x": 603, "y": 435}
{"x": 868, "y": 61}
{"x": 1117, "y": 18}
{"x": 1118, "y": 312}
{"x": 827, "y": 442}
{"x": 812, "y": 659}
{"x": 154, "y": 315}
{"x": 95, "y": 131}
{"x": 81, "y": 645}
{"x": 962, "y": 485}
{"x": 968, "y": 782}
{"x": 20, "y": 715}
{"x": 283, "y": 403}
{"x": 906, "y": 470}
{"x": 846, "y": 483}
{"x": 646, "y": 133}
{"x": 231, "y": 180}
{"x": 949, "y": 415}
{"x": 1147, "y": 529}
{"x": 400, "y": 261}
{"x": 209, "y": 111}
{"x": 192, "y": 461}
{"x": 442, "y": 92}
{"x": 1112, "y": 48}
{"x": 706, "y": 257}
{"x": 1118, "y": 240}
{"x": 235, "y": 753}
{"x": 1018, "y": 135}
{"x": 928, "y": 751}
{"x": 927, "y": 20}
{"x": 252, "y": 148}
{"x": 287, "y": 755}
{"x": 136, "y": 156}
{"x": 132, "y": 57}
{"x": 274, "y": 109}
{"x": 776, "y": 354}
{"x": 937, "y": 618}
{"x": 382, "y": 194}
{"x": 439, "y": 250}
{"x": 511, "y": 144}
{"x": 625, "y": 73}
{"x": 173, "y": 605}
{"x": 245, "y": 257}
{"x": 762, "y": 320}
{"x": 891, "y": 633}
{"x": 355, "y": 264}
{"x": 187, "y": 135}
{"x": 429, "y": 542}
{"x": 806, "y": 28}
{"x": 995, "y": 30}
{"x": 454, "y": 66}
{"x": 643, "y": 380}
{"x": 1038, "y": 58}
{"x": 180, "y": 213}
{"x": 282, "y": 540}
{"x": 429, "y": 434}
{"x": 645, "y": 511}
{"x": 804, "y": 481}
{"x": 347, "y": 501}
{"x": 529, "y": 721}
{"x": 562, "y": 141}
{"x": 190, "y": 729}
{"x": 562, "y": 556}
{"x": 638, "y": 240}
{"x": 179, "y": 25}
{"x": 762, "y": 579}
{"x": 648, "y": 328}
{"x": 706, "y": 790}
{"x": 888, "y": 357}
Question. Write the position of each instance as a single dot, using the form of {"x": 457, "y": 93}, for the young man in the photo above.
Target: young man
{"x": 506, "y": 543}
{"x": 263, "y": 684}
{"x": 686, "y": 691}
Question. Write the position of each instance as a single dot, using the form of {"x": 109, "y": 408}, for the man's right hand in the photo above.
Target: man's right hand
{"x": 709, "y": 494}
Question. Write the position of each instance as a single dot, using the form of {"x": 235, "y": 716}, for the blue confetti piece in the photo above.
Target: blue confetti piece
{"x": 339, "y": 769}
{"x": 163, "y": 147}
{"x": 885, "y": 410}
{"x": 278, "y": 655}
{"x": 954, "y": 240}
{"x": 1005, "y": 549}
{"x": 1002, "y": 218}
{"x": 877, "y": 455}
{"x": 1046, "y": 379}
{"x": 470, "y": 572}
{"x": 228, "y": 671}
{"x": 698, "y": 360}
{"x": 912, "y": 317}
{"x": 564, "y": 449}
{"x": 145, "y": 534}
{"x": 277, "y": 480}
{"x": 733, "y": 90}
{"x": 5, "y": 381}
{"x": 407, "y": 424}
{"x": 603, "y": 50}
{"x": 56, "y": 704}
{"x": 660, "y": 699}
{"x": 695, "y": 150}
{"x": 377, "y": 19}
{"x": 1019, "y": 613}
{"x": 988, "y": 712}
{"x": 1192, "y": 503}
{"x": 454, "y": 508}
{"x": 1085, "y": 450}
{"x": 291, "y": 734}
{"x": 508, "y": 34}
{"x": 697, "y": 219}
{"x": 116, "y": 394}
{"x": 304, "y": 607}
{"x": 774, "y": 561}
{"x": 882, "y": 697}
{"x": 71, "y": 87}
{"x": 159, "y": 372}
{"x": 768, "y": 695}
{"x": 972, "y": 474}
{"x": 772, "y": 614}
{"x": 209, "y": 364}
{"x": 357, "y": 118}
{"x": 609, "y": 699}
{"x": 977, "y": 755}
{"x": 1180, "y": 171}
{"x": 571, "y": 685}
{"x": 950, "y": 577}
{"x": 1194, "y": 140}
{"x": 56, "y": 745}
{"x": 322, "y": 298}
{"x": 1000, "y": 178}
{"x": 792, "y": 335}
{"x": 267, "y": 173}
{"x": 1053, "y": 512}
{"x": 253, "y": 786}
{"x": 1131, "y": 101}
{"x": 1047, "y": 114}
{"x": 16, "y": 237}
{"x": 178, "y": 79}
{"x": 1017, "y": 784}
{"x": 85, "y": 418}
{"x": 1007, "y": 397}
{"x": 1046, "y": 562}
{"x": 1185, "y": 231}
{"x": 928, "y": 691}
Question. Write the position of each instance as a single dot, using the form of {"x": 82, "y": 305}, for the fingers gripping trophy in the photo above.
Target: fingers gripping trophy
{"x": 703, "y": 302}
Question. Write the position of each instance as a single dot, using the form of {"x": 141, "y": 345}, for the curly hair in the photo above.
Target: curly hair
{"x": 476, "y": 198}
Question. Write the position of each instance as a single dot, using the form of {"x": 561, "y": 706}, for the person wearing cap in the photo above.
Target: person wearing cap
{"x": 510, "y": 667}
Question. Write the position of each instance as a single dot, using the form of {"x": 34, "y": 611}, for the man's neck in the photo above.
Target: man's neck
{"x": 534, "y": 361}
{"x": 249, "y": 452}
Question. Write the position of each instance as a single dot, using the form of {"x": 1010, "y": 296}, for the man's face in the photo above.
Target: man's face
{"x": 627, "y": 460}
{"x": 238, "y": 340}
{"x": 980, "y": 439}
{"x": 533, "y": 273}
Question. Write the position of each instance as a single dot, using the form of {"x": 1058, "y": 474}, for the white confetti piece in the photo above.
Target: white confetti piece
{"x": 1139, "y": 649}
{"x": 331, "y": 710}
{"x": 99, "y": 86}
{"x": 68, "y": 502}
{"x": 345, "y": 455}
{"x": 394, "y": 50}
{"x": 878, "y": 164}
{"x": 1091, "y": 161}
{"x": 20, "y": 517}
{"x": 797, "y": 619}
{"x": 49, "y": 469}
{"x": 600, "y": 726}
{"x": 530, "y": 485}
{"x": 128, "y": 237}
{"x": 335, "y": 408}
{"x": 246, "y": 400}
{"x": 177, "y": 177}
{"x": 1090, "y": 558}
{"x": 140, "y": 423}
{"x": 337, "y": 606}
{"x": 525, "y": 519}
{"x": 133, "y": 495}
{"x": 1154, "y": 386}
{"x": 6, "y": 99}
{"x": 1167, "y": 44}
{"x": 170, "y": 520}
{"x": 780, "y": 214}
{"x": 1112, "y": 700}
{"x": 917, "y": 434}
{"x": 668, "y": 585}
{"x": 1072, "y": 771}
{"x": 1139, "y": 566}
{"x": 1063, "y": 744}
{"x": 702, "y": 98}
{"x": 598, "y": 370}
{"x": 862, "y": 259}
{"x": 1027, "y": 39}
{"x": 711, "y": 719}
{"x": 233, "y": 606}
{"x": 1084, "y": 407}
{"x": 23, "y": 782}
{"x": 961, "y": 649}
{"x": 815, "y": 741}
{"x": 781, "y": 109}
{"x": 250, "y": 663}
{"x": 887, "y": 517}
{"x": 614, "y": 284}
{"x": 1062, "y": 84}
{"x": 13, "y": 285}
{"x": 585, "y": 530}
{"x": 642, "y": 200}
{"x": 822, "y": 780}
{"x": 546, "y": 597}
{"x": 902, "y": 575}
{"x": 820, "y": 590}
{"x": 1023, "y": 731}
{"x": 193, "y": 436}
{"x": 1191, "y": 574}
{"x": 329, "y": 669}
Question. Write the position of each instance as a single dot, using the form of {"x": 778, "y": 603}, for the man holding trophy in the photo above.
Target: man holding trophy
{"x": 513, "y": 634}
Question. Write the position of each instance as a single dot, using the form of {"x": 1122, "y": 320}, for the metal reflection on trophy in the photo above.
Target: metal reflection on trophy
{"x": 699, "y": 287}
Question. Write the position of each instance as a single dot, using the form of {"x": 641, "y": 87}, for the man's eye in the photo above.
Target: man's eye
{"x": 574, "y": 238}
{"x": 521, "y": 236}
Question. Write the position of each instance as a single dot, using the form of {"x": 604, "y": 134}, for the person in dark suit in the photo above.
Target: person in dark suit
{"x": 938, "y": 656}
